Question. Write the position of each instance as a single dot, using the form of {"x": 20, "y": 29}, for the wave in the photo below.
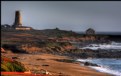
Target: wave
{"x": 102, "y": 68}
{"x": 106, "y": 70}
{"x": 113, "y": 45}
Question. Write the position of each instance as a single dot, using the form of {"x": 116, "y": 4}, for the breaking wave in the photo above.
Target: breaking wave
{"x": 110, "y": 66}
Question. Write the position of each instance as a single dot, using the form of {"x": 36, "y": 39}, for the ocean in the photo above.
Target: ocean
{"x": 108, "y": 65}
{"x": 103, "y": 33}
{"x": 112, "y": 46}
{"x": 111, "y": 66}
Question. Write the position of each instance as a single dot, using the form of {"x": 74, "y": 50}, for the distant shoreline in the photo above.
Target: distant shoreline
{"x": 102, "y": 33}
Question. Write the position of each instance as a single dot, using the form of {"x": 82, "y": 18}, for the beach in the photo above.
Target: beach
{"x": 55, "y": 65}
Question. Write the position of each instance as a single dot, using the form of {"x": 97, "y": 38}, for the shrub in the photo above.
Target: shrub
{"x": 7, "y": 65}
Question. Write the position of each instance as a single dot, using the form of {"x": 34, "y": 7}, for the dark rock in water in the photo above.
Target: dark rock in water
{"x": 90, "y": 64}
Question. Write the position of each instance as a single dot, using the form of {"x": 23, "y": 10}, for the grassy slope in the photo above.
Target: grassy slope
{"x": 9, "y": 36}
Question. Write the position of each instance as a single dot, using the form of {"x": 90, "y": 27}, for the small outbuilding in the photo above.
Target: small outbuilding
{"x": 90, "y": 31}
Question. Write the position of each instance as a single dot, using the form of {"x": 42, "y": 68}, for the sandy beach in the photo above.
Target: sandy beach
{"x": 54, "y": 65}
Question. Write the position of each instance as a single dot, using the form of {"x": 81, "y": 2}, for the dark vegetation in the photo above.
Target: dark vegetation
{"x": 65, "y": 60}
{"x": 13, "y": 48}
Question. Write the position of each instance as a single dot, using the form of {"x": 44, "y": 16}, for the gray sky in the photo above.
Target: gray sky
{"x": 67, "y": 15}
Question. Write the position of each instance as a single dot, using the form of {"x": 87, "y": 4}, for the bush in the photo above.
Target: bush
{"x": 11, "y": 66}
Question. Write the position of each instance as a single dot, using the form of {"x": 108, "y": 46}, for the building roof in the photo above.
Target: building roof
{"x": 90, "y": 31}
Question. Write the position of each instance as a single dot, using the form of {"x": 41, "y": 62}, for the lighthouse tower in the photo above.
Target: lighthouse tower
{"x": 18, "y": 19}
{"x": 18, "y": 22}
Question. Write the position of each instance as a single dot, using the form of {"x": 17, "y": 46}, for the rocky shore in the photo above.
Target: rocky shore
{"x": 51, "y": 50}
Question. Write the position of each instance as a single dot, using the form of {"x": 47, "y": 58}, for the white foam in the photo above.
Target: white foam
{"x": 102, "y": 68}
{"x": 83, "y": 60}
{"x": 113, "y": 45}
{"x": 107, "y": 70}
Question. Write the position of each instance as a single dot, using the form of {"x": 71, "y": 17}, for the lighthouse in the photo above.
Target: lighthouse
{"x": 17, "y": 25}
{"x": 18, "y": 19}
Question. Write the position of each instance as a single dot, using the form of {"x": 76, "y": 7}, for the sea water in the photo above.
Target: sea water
{"x": 111, "y": 66}
{"x": 112, "y": 45}
{"x": 108, "y": 65}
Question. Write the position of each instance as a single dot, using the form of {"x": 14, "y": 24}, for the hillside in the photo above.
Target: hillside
{"x": 34, "y": 35}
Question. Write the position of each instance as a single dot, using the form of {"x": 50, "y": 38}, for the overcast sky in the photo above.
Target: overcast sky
{"x": 67, "y": 15}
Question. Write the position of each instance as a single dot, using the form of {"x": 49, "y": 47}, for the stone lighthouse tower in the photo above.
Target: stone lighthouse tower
{"x": 17, "y": 25}
{"x": 18, "y": 21}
